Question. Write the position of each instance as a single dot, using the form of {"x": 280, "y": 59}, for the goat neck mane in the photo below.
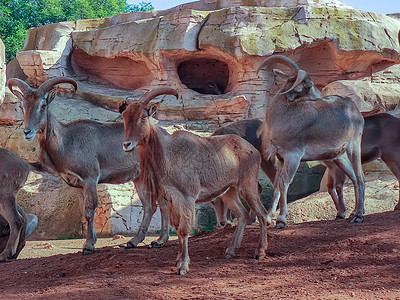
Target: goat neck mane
{"x": 152, "y": 160}
{"x": 50, "y": 139}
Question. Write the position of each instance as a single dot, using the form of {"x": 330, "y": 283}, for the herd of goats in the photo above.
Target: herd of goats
{"x": 176, "y": 171}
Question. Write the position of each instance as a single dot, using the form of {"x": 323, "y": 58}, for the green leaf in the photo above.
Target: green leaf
{"x": 18, "y": 16}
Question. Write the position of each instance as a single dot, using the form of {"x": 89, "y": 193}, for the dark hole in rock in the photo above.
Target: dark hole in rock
{"x": 205, "y": 76}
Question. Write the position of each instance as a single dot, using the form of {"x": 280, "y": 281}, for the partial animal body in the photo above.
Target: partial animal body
{"x": 301, "y": 125}
{"x": 84, "y": 153}
{"x": 15, "y": 224}
{"x": 184, "y": 169}
{"x": 246, "y": 129}
{"x": 380, "y": 139}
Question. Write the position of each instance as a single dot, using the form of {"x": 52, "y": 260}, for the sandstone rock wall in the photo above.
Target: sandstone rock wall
{"x": 210, "y": 52}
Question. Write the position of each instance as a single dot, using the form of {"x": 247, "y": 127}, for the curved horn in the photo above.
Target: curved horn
{"x": 301, "y": 75}
{"x": 150, "y": 95}
{"x": 48, "y": 84}
{"x": 22, "y": 85}
{"x": 280, "y": 59}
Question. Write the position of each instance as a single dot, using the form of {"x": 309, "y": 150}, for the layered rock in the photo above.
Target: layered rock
{"x": 210, "y": 51}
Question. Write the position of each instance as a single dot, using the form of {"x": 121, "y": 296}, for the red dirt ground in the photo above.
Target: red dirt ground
{"x": 315, "y": 260}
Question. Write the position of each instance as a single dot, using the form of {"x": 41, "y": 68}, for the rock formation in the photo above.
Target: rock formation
{"x": 209, "y": 51}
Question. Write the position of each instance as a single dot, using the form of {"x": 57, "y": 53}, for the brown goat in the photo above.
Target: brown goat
{"x": 15, "y": 224}
{"x": 84, "y": 153}
{"x": 380, "y": 139}
{"x": 295, "y": 129}
{"x": 246, "y": 129}
{"x": 185, "y": 168}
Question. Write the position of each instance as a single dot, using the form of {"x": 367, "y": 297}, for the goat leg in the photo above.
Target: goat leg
{"x": 149, "y": 210}
{"x": 11, "y": 215}
{"x": 164, "y": 236}
{"x": 90, "y": 200}
{"x": 258, "y": 209}
{"x": 232, "y": 201}
{"x": 351, "y": 165}
{"x": 290, "y": 165}
{"x": 336, "y": 179}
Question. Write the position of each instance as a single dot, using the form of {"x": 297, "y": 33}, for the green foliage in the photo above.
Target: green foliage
{"x": 142, "y": 6}
{"x": 17, "y": 16}
{"x": 64, "y": 238}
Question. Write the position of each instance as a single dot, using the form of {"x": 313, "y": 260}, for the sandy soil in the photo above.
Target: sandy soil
{"x": 314, "y": 260}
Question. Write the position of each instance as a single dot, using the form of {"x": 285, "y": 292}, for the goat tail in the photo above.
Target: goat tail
{"x": 268, "y": 150}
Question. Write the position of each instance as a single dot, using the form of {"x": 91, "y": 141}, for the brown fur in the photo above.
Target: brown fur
{"x": 187, "y": 168}
{"x": 380, "y": 139}
{"x": 13, "y": 221}
{"x": 318, "y": 128}
{"x": 84, "y": 153}
{"x": 247, "y": 129}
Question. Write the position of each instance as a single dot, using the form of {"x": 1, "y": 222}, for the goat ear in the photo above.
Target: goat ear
{"x": 18, "y": 93}
{"x": 281, "y": 74}
{"x": 50, "y": 95}
{"x": 123, "y": 107}
{"x": 152, "y": 108}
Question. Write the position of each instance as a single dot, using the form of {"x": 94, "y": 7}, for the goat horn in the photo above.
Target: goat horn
{"x": 148, "y": 96}
{"x": 301, "y": 75}
{"x": 22, "y": 85}
{"x": 48, "y": 84}
{"x": 280, "y": 59}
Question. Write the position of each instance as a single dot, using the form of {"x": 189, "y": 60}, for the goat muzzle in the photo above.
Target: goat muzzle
{"x": 129, "y": 146}
{"x": 29, "y": 134}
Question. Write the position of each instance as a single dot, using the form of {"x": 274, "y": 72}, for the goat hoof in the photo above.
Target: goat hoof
{"x": 129, "y": 245}
{"x": 87, "y": 252}
{"x": 280, "y": 225}
{"x": 259, "y": 256}
{"x": 6, "y": 260}
{"x": 229, "y": 255}
{"x": 339, "y": 218}
{"x": 182, "y": 272}
{"x": 357, "y": 219}
{"x": 155, "y": 244}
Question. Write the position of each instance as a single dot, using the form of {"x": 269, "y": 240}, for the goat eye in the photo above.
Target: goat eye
{"x": 44, "y": 105}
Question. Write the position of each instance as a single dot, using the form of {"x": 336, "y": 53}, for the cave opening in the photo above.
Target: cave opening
{"x": 205, "y": 76}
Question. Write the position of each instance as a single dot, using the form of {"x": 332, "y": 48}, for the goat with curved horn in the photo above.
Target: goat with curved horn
{"x": 84, "y": 153}
{"x": 302, "y": 80}
{"x": 279, "y": 59}
{"x": 150, "y": 95}
{"x": 22, "y": 85}
{"x": 296, "y": 130}
{"x": 186, "y": 168}
{"x": 46, "y": 86}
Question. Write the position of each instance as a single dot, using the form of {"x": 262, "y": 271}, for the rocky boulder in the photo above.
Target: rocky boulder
{"x": 382, "y": 194}
{"x": 210, "y": 52}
